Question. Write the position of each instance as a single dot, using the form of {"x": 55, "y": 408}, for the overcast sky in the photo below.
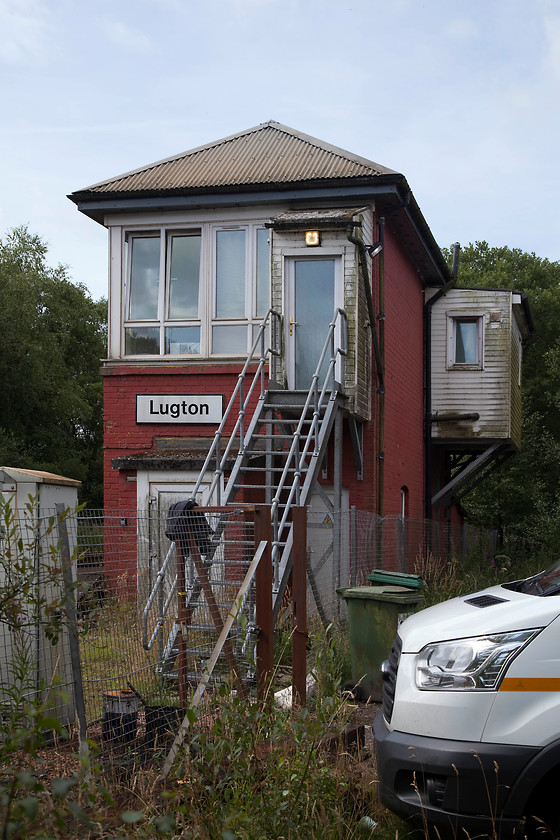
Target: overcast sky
{"x": 461, "y": 96}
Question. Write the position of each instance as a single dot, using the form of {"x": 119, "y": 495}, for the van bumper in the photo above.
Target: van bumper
{"x": 451, "y": 785}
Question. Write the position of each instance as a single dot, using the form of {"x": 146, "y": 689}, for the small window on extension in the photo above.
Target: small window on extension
{"x": 465, "y": 348}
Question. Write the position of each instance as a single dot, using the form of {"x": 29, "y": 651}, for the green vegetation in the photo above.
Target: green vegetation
{"x": 521, "y": 500}
{"x": 442, "y": 581}
{"x": 52, "y": 339}
{"x": 249, "y": 770}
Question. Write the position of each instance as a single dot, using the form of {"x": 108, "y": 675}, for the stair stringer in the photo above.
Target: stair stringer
{"x": 284, "y": 562}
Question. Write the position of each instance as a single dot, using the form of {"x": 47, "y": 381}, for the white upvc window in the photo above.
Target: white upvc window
{"x": 197, "y": 291}
{"x": 465, "y": 344}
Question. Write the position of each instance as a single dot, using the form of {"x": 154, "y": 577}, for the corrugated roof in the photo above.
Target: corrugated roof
{"x": 268, "y": 154}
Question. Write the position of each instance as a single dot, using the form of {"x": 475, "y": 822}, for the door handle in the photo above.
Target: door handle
{"x": 292, "y": 325}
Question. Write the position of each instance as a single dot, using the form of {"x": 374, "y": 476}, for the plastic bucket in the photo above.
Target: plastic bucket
{"x": 120, "y": 716}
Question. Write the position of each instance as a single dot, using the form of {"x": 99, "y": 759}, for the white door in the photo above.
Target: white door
{"x": 313, "y": 291}
{"x": 156, "y": 491}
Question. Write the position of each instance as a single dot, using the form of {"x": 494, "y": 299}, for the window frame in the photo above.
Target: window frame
{"x": 170, "y": 235}
{"x": 465, "y": 316}
{"x": 141, "y": 235}
{"x": 207, "y": 288}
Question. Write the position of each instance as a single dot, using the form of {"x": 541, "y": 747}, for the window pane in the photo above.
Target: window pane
{"x": 313, "y": 311}
{"x": 466, "y": 342}
{"x": 263, "y": 272}
{"x": 229, "y": 339}
{"x": 184, "y": 273}
{"x": 144, "y": 278}
{"x": 141, "y": 341}
{"x": 182, "y": 340}
{"x": 230, "y": 274}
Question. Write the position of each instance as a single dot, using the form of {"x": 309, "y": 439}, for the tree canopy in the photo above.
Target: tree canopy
{"x": 522, "y": 499}
{"x": 52, "y": 340}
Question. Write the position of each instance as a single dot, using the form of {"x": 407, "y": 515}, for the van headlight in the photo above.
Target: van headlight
{"x": 476, "y": 663}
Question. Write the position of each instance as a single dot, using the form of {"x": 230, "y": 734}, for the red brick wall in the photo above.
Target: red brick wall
{"x": 404, "y": 383}
{"x": 123, "y": 436}
{"x": 404, "y": 397}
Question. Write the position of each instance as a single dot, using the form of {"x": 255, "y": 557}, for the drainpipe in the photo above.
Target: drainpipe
{"x": 428, "y": 377}
{"x": 381, "y": 319}
{"x": 378, "y": 340}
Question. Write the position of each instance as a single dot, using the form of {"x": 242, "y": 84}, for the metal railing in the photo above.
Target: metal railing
{"x": 316, "y": 402}
{"x": 164, "y": 604}
{"x": 306, "y": 443}
{"x": 247, "y": 384}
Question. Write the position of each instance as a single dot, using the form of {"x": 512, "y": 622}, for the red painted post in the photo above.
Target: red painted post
{"x": 263, "y": 598}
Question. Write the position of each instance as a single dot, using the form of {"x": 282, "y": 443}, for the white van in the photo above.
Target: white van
{"x": 468, "y": 735}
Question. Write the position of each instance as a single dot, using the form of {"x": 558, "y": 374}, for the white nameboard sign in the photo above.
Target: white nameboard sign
{"x": 178, "y": 408}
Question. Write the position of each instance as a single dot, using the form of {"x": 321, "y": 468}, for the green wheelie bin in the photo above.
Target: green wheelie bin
{"x": 374, "y": 614}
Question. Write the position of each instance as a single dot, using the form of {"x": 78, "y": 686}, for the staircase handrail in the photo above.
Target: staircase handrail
{"x": 268, "y": 354}
{"x": 158, "y": 584}
{"x": 318, "y": 400}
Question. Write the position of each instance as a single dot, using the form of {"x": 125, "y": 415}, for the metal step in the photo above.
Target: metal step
{"x": 207, "y": 628}
{"x": 269, "y": 469}
{"x": 277, "y": 437}
{"x": 295, "y": 407}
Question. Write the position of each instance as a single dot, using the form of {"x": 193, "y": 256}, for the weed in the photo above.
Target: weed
{"x": 260, "y": 771}
{"x": 443, "y": 580}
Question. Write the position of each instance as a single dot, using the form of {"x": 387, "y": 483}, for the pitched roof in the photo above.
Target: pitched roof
{"x": 261, "y": 165}
{"x": 269, "y": 154}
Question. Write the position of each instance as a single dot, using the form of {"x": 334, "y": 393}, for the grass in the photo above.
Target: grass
{"x": 112, "y": 654}
{"x": 249, "y": 771}
{"x": 445, "y": 580}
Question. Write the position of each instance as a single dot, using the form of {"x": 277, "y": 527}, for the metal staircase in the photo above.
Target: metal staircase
{"x": 286, "y": 438}
{"x": 277, "y": 441}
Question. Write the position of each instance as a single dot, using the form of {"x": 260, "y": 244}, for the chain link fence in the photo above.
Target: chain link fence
{"x": 110, "y": 583}
{"x": 342, "y": 551}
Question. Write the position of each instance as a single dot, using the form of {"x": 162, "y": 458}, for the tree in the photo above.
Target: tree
{"x": 522, "y": 499}
{"x": 52, "y": 339}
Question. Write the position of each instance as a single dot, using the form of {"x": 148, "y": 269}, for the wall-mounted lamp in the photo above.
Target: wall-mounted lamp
{"x": 312, "y": 238}
{"x": 374, "y": 250}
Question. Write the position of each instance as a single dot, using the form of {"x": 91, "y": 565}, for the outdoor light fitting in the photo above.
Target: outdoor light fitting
{"x": 312, "y": 238}
{"x": 374, "y": 250}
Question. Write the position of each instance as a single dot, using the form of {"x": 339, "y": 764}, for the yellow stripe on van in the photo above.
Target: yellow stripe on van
{"x": 530, "y": 684}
